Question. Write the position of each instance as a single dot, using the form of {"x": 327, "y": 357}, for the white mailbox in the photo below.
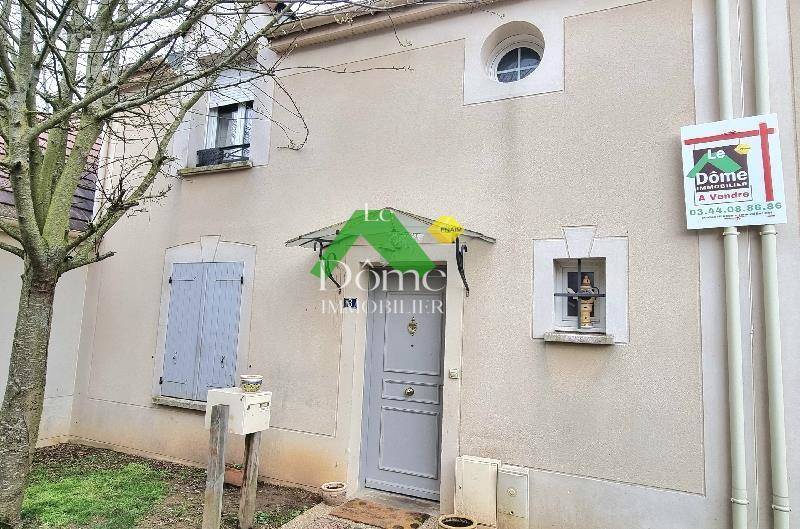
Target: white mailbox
{"x": 247, "y": 412}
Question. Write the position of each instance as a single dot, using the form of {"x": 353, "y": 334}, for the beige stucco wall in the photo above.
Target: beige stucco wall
{"x": 496, "y": 167}
{"x": 616, "y": 435}
{"x": 632, "y": 413}
{"x": 62, "y": 359}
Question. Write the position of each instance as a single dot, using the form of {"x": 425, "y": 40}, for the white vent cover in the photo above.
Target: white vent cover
{"x": 476, "y": 489}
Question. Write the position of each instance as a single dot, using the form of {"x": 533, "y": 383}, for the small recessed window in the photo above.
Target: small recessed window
{"x": 517, "y": 64}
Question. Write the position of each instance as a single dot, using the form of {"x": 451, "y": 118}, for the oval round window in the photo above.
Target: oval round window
{"x": 517, "y": 64}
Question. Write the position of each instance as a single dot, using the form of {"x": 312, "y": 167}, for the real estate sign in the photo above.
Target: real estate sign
{"x": 732, "y": 173}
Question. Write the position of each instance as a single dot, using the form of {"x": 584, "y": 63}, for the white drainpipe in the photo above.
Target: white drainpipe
{"x": 769, "y": 265}
{"x": 730, "y": 237}
{"x": 739, "y": 500}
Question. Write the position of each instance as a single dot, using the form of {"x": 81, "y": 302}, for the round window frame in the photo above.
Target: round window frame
{"x": 511, "y": 43}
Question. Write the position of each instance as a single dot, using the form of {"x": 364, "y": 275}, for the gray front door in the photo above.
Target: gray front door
{"x": 403, "y": 386}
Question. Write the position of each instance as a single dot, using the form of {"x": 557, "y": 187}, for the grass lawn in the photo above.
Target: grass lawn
{"x": 78, "y": 487}
{"x": 111, "y": 499}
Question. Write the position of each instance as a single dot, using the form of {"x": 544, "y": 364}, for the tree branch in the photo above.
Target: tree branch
{"x": 10, "y": 230}
{"x": 19, "y": 252}
{"x": 78, "y": 262}
{"x": 5, "y": 61}
{"x": 86, "y": 244}
{"x": 130, "y": 71}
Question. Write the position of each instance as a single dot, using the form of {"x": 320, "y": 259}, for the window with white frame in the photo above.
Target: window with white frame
{"x": 580, "y": 271}
{"x": 579, "y": 293}
{"x": 512, "y": 58}
{"x": 228, "y": 134}
{"x": 231, "y": 124}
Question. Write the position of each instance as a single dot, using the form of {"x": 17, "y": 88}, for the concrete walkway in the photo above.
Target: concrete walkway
{"x": 318, "y": 516}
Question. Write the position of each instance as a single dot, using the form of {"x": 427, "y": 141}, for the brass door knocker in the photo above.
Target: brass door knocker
{"x": 412, "y": 326}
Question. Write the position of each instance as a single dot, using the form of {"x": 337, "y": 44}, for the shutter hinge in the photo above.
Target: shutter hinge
{"x": 242, "y": 280}
{"x": 160, "y": 380}
{"x": 170, "y": 280}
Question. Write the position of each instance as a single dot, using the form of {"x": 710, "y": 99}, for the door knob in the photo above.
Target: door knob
{"x": 409, "y": 391}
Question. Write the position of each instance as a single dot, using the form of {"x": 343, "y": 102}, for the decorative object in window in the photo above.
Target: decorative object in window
{"x": 228, "y": 134}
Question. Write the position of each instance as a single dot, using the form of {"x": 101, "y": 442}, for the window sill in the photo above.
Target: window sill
{"x": 180, "y": 403}
{"x": 218, "y": 168}
{"x": 579, "y": 337}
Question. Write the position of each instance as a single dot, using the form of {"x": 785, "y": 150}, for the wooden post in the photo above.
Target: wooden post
{"x": 215, "y": 473}
{"x": 247, "y": 505}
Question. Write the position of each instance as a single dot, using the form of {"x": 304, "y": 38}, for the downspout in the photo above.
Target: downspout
{"x": 730, "y": 237}
{"x": 769, "y": 265}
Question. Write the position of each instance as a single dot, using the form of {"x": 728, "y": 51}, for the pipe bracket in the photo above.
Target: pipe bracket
{"x": 782, "y": 508}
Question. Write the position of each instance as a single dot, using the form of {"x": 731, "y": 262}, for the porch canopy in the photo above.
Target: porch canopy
{"x": 416, "y": 225}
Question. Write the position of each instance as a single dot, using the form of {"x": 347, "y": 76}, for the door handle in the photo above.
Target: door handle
{"x": 409, "y": 392}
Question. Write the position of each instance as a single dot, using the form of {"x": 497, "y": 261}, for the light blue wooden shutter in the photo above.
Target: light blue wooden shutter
{"x": 219, "y": 334}
{"x": 183, "y": 331}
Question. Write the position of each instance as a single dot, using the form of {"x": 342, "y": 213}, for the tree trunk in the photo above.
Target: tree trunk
{"x": 22, "y": 405}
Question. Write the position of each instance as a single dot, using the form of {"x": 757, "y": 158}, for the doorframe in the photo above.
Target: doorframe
{"x": 354, "y": 345}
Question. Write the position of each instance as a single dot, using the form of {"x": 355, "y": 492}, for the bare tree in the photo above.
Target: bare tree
{"x": 73, "y": 72}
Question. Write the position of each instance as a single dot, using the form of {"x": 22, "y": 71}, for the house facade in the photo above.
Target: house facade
{"x": 550, "y": 130}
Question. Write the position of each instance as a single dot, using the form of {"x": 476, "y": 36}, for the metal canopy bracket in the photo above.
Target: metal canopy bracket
{"x": 461, "y": 249}
{"x": 320, "y": 246}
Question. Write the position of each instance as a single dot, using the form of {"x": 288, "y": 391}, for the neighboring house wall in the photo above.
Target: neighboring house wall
{"x": 83, "y": 199}
{"x": 64, "y": 339}
{"x": 629, "y": 435}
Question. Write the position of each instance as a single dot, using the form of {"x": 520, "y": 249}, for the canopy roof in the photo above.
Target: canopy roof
{"x": 417, "y": 225}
